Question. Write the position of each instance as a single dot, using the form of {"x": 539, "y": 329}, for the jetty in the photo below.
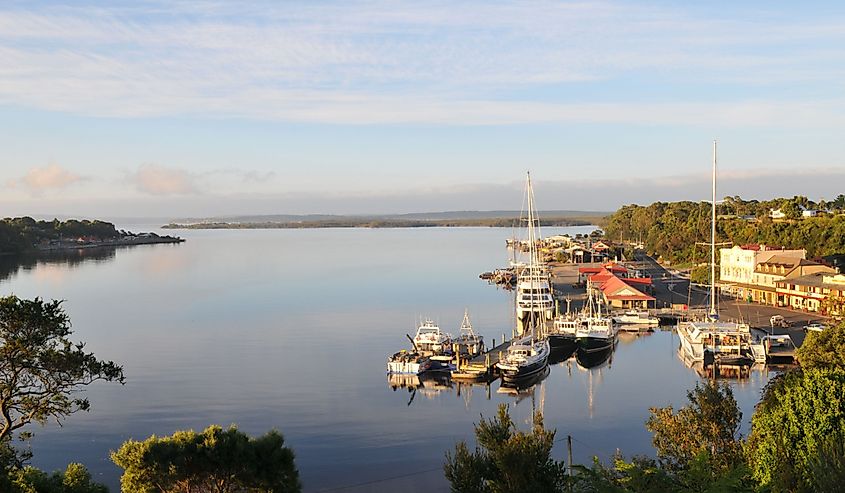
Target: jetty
{"x": 481, "y": 366}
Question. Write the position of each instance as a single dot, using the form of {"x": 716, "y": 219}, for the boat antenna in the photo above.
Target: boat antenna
{"x": 713, "y": 314}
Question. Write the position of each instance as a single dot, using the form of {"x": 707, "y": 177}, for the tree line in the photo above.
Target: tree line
{"x": 22, "y": 234}
{"x": 671, "y": 230}
{"x": 796, "y": 443}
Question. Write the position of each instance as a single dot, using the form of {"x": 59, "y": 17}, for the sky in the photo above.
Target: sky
{"x": 205, "y": 108}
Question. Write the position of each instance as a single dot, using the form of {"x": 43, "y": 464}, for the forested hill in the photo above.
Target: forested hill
{"x": 672, "y": 229}
{"x": 22, "y": 234}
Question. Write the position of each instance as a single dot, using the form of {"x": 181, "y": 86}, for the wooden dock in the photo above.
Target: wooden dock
{"x": 482, "y": 366}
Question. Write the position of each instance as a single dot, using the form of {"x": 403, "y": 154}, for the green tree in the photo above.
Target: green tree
{"x": 825, "y": 349}
{"x": 214, "y": 461}
{"x": 506, "y": 460}
{"x": 800, "y": 413}
{"x": 708, "y": 424}
{"x": 74, "y": 479}
{"x": 41, "y": 371}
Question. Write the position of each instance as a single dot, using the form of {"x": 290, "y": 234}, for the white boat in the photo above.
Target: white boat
{"x": 430, "y": 340}
{"x": 535, "y": 303}
{"x": 711, "y": 340}
{"x": 534, "y": 298}
{"x": 408, "y": 363}
{"x": 525, "y": 358}
{"x": 635, "y": 318}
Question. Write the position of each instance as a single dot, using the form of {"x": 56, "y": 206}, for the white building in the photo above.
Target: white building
{"x": 738, "y": 264}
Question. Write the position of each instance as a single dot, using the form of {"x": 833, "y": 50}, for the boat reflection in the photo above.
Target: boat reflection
{"x": 587, "y": 358}
{"x": 524, "y": 387}
{"x": 432, "y": 385}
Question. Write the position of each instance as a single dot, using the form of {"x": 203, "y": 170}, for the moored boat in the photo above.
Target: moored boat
{"x": 525, "y": 358}
{"x": 430, "y": 340}
{"x": 408, "y": 363}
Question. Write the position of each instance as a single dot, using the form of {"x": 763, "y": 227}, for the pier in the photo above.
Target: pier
{"x": 482, "y": 366}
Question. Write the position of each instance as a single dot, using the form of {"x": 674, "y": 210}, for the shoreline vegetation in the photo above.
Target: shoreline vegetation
{"x": 25, "y": 235}
{"x": 382, "y": 223}
{"x": 454, "y": 219}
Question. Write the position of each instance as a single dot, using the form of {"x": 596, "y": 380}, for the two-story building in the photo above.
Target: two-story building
{"x": 809, "y": 291}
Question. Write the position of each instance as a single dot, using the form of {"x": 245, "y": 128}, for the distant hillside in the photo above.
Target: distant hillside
{"x": 486, "y": 219}
{"x": 589, "y": 216}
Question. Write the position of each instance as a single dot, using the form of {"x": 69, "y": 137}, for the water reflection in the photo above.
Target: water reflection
{"x": 10, "y": 265}
{"x": 433, "y": 384}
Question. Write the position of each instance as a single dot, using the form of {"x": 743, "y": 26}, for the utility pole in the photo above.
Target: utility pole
{"x": 569, "y": 448}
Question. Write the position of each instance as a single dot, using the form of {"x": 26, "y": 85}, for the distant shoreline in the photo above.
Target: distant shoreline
{"x": 385, "y": 223}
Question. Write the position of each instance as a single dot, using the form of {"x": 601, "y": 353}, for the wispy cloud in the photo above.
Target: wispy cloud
{"x": 41, "y": 179}
{"x": 422, "y": 62}
{"x": 161, "y": 180}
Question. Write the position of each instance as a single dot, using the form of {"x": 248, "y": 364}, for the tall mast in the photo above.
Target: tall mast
{"x": 713, "y": 241}
{"x": 532, "y": 253}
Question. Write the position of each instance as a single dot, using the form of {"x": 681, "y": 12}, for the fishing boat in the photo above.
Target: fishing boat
{"x": 430, "y": 340}
{"x": 562, "y": 334}
{"x": 711, "y": 340}
{"x": 468, "y": 343}
{"x": 595, "y": 331}
{"x": 528, "y": 356}
{"x": 407, "y": 362}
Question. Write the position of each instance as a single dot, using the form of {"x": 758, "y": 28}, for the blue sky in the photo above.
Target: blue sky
{"x": 210, "y": 108}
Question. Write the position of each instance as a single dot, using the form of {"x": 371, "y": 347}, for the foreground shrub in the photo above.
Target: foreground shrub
{"x": 214, "y": 461}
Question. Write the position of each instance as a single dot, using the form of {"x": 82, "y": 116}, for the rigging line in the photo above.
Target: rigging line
{"x": 374, "y": 481}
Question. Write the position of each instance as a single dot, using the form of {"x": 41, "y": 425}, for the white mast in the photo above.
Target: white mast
{"x": 532, "y": 253}
{"x": 713, "y": 313}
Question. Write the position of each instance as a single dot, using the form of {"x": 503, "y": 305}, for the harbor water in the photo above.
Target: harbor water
{"x": 290, "y": 329}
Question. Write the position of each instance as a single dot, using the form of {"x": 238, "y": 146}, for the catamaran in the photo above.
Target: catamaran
{"x": 711, "y": 340}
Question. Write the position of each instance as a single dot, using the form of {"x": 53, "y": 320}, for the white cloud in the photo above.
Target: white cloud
{"x": 52, "y": 177}
{"x": 160, "y": 180}
{"x": 422, "y": 62}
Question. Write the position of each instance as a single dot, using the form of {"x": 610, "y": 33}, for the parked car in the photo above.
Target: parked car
{"x": 815, "y": 327}
{"x": 778, "y": 321}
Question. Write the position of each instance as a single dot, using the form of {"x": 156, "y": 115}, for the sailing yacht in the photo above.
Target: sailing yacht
{"x": 711, "y": 340}
{"x": 529, "y": 356}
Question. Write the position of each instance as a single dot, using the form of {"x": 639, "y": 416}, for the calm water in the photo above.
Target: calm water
{"x": 289, "y": 329}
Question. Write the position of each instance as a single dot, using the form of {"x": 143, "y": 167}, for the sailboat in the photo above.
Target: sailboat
{"x": 711, "y": 340}
{"x": 528, "y": 356}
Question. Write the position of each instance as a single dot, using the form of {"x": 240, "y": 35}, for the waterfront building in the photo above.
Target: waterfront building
{"x": 738, "y": 264}
{"x": 809, "y": 291}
